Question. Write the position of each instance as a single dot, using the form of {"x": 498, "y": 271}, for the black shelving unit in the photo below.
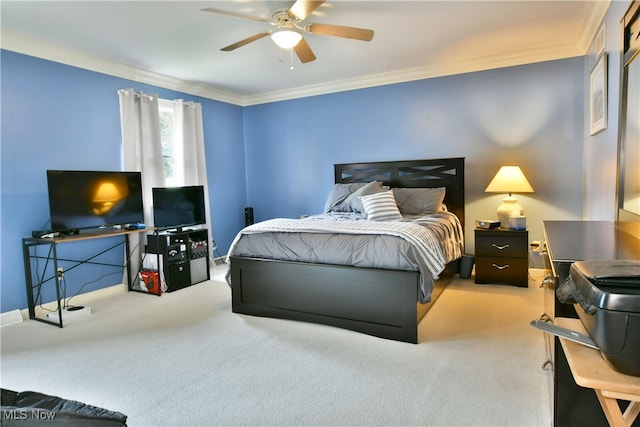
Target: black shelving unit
{"x": 183, "y": 256}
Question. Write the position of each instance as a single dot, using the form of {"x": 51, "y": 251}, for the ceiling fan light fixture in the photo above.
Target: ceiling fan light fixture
{"x": 286, "y": 38}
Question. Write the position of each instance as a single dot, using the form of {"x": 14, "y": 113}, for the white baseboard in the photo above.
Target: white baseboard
{"x": 10, "y": 318}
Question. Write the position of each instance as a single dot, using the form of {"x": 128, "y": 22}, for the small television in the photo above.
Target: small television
{"x": 94, "y": 199}
{"x": 178, "y": 207}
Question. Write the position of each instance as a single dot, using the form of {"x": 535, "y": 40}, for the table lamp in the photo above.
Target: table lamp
{"x": 509, "y": 179}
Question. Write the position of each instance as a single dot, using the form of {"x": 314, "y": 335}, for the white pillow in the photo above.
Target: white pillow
{"x": 381, "y": 207}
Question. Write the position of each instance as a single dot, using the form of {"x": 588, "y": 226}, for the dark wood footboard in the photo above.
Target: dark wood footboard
{"x": 368, "y": 300}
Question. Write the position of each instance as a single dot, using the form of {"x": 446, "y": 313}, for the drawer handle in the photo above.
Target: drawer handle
{"x": 500, "y": 247}
{"x": 548, "y": 282}
{"x": 500, "y": 267}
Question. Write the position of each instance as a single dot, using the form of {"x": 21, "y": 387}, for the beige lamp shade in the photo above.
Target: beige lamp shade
{"x": 509, "y": 179}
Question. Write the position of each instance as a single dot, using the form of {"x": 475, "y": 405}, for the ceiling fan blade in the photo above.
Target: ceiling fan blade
{"x": 234, "y": 14}
{"x": 340, "y": 31}
{"x": 304, "y": 52}
{"x": 301, "y": 9}
{"x": 245, "y": 41}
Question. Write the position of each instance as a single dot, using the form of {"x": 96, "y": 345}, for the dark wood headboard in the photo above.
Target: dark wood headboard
{"x": 428, "y": 173}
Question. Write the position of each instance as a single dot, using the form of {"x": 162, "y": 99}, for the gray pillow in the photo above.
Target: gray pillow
{"x": 353, "y": 202}
{"x": 419, "y": 201}
{"x": 346, "y": 197}
{"x": 339, "y": 193}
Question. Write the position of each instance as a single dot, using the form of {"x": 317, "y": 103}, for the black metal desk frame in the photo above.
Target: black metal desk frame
{"x": 32, "y": 243}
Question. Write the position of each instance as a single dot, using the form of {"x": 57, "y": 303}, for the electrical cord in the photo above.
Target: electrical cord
{"x": 89, "y": 283}
{"x": 215, "y": 250}
{"x": 127, "y": 260}
{"x": 63, "y": 283}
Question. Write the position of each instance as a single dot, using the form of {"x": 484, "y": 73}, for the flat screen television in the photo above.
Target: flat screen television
{"x": 94, "y": 199}
{"x": 178, "y": 207}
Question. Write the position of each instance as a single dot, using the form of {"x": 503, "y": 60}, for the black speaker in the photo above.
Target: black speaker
{"x": 248, "y": 216}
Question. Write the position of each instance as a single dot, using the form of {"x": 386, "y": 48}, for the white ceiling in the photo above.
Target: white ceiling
{"x": 174, "y": 44}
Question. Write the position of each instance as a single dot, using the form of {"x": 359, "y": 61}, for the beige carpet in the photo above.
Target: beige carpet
{"x": 185, "y": 359}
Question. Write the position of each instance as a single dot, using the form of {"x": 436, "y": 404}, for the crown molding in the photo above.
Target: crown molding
{"x": 561, "y": 51}
{"x": 594, "y": 15}
{"x": 56, "y": 53}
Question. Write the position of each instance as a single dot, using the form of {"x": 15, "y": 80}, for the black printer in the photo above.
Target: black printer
{"x": 606, "y": 296}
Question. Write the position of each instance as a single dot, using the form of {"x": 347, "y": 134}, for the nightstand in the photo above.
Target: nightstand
{"x": 502, "y": 256}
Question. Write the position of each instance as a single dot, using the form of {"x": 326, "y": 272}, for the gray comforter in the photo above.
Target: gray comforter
{"x": 423, "y": 243}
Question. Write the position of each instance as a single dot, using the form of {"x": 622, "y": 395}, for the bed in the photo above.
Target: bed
{"x": 380, "y": 300}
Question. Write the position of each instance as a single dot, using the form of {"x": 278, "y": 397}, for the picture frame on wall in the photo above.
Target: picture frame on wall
{"x": 598, "y": 95}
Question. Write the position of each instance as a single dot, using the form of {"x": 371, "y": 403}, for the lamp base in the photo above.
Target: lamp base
{"x": 509, "y": 207}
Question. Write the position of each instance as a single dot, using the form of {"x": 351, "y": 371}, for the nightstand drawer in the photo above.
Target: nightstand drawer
{"x": 502, "y": 244}
{"x": 513, "y": 271}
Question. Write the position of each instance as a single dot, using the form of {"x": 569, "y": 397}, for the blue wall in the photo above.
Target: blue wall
{"x": 528, "y": 115}
{"x": 60, "y": 117}
{"x": 279, "y": 157}
{"x": 601, "y": 149}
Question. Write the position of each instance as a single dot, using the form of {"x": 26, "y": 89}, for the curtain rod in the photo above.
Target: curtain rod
{"x": 186, "y": 104}
{"x": 138, "y": 94}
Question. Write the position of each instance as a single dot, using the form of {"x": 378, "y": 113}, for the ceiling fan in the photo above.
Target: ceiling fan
{"x": 289, "y": 27}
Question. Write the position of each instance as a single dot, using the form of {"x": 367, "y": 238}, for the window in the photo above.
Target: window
{"x": 171, "y": 145}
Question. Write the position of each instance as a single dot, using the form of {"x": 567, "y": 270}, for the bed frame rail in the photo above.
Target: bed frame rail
{"x": 373, "y": 301}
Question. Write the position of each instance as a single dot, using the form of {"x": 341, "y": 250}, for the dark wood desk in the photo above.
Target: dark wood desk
{"x": 571, "y": 241}
{"x": 567, "y": 242}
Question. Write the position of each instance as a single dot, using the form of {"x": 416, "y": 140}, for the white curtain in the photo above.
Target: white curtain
{"x": 141, "y": 151}
{"x": 190, "y": 132}
{"x": 141, "y": 146}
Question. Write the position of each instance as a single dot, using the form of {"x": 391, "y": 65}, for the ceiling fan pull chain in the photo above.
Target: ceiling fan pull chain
{"x": 292, "y": 67}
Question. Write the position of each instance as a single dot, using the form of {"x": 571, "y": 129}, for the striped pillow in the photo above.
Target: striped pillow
{"x": 381, "y": 207}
